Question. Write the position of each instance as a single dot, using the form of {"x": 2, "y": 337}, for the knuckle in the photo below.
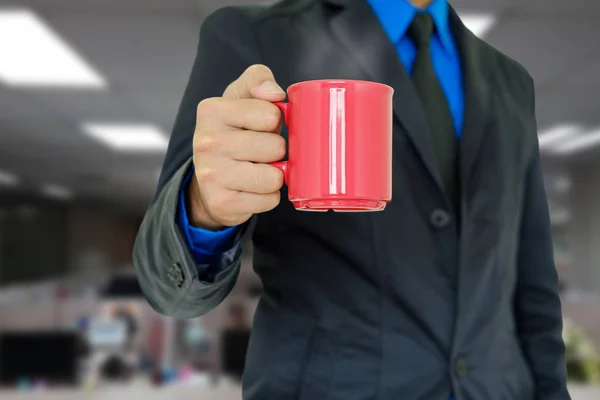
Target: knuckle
{"x": 205, "y": 142}
{"x": 205, "y": 174}
{"x": 258, "y": 69}
{"x": 209, "y": 107}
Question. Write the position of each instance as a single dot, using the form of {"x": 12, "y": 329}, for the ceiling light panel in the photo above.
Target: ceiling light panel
{"x": 127, "y": 137}
{"x": 8, "y": 179}
{"x": 557, "y": 134}
{"x": 479, "y": 24}
{"x": 582, "y": 142}
{"x": 57, "y": 192}
{"x": 34, "y": 55}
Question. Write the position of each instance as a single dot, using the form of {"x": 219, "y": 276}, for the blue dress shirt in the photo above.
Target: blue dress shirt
{"x": 395, "y": 17}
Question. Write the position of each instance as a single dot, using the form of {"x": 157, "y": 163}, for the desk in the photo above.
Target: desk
{"x": 222, "y": 392}
{"x": 139, "y": 389}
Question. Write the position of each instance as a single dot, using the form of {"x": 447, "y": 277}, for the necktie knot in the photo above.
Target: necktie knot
{"x": 421, "y": 29}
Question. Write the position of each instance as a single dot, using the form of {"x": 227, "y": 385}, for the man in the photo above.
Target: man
{"x": 451, "y": 291}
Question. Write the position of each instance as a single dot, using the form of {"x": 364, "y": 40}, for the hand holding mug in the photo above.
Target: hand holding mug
{"x": 339, "y": 156}
{"x": 236, "y": 136}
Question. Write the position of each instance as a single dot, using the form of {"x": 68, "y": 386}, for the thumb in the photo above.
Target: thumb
{"x": 257, "y": 82}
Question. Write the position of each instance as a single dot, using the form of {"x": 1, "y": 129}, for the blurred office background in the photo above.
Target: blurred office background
{"x": 88, "y": 93}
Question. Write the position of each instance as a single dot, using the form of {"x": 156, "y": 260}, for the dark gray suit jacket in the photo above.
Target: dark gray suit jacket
{"x": 407, "y": 304}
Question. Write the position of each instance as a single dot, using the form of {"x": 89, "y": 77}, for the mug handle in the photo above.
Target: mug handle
{"x": 282, "y": 165}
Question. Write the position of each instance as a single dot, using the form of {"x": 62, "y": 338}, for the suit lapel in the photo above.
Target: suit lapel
{"x": 358, "y": 30}
{"x": 477, "y": 96}
{"x": 477, "y": 101}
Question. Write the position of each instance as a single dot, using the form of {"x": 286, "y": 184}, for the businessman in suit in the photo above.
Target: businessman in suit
{"x": 450, "y": 292}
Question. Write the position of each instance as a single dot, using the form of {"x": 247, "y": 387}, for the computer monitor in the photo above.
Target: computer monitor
{"x": 49, "y": 356}
{"x": 107, "y": 333}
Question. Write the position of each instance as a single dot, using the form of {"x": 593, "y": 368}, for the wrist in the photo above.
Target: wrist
{"x": 197, "y": 215}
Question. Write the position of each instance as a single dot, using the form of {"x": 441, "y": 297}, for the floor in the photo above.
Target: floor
{"x": 143, "y": 391}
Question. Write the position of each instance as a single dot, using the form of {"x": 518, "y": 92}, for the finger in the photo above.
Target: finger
{"x": 258, "y": 203}
{"x": 252, "y": 178}
{"x": 229, "y": 206}
{"x": 255, "y": 115}
{"x": 215, "y": 172}
{"x": 243, "y": 145}
{"x": 256, "y": 82}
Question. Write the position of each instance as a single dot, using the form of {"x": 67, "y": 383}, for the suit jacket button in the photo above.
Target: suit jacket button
{"x": 439, "y": 218}
{"x": 460, "y": 367}
{"x": 175, "y": 275}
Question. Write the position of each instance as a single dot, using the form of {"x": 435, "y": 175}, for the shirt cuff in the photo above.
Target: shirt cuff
{"x": 204, "y": 244}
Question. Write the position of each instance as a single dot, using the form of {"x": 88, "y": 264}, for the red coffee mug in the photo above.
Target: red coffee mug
{"x": 339, "y": 145}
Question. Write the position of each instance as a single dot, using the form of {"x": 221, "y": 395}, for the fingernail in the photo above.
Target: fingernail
{"x": 270, "y": 87}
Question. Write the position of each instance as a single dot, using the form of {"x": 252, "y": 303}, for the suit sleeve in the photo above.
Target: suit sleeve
{"x": 167, "y": 271}
{"x": 537, "y": 302}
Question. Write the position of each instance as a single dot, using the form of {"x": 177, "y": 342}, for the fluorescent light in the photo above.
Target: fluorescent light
{"x": 479, "y": 24}
{"x": 127, "y": 137}
{"x": 34, "y": 55}
{"x": 556, "y": 134}
{"x": 8, "y": 179}
{"x": 581, "y": 142}
{"x": 57, "y": 192}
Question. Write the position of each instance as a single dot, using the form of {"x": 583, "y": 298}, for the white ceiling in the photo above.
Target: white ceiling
{"x": 145, "y": 49}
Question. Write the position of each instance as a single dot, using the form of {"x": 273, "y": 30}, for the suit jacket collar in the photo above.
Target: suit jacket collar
{"x": 396, "y": 16}
{"x": 360, "y": 32}
{"x": 476, "y": 69}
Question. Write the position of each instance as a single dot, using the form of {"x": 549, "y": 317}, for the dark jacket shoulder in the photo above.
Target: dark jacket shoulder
{"x": 255, "y": 17}
{"x": 509, "y": 75}
{"x": 513, "y": 88}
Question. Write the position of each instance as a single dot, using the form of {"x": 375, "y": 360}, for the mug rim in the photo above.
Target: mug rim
{"x": 355, "y": 81}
